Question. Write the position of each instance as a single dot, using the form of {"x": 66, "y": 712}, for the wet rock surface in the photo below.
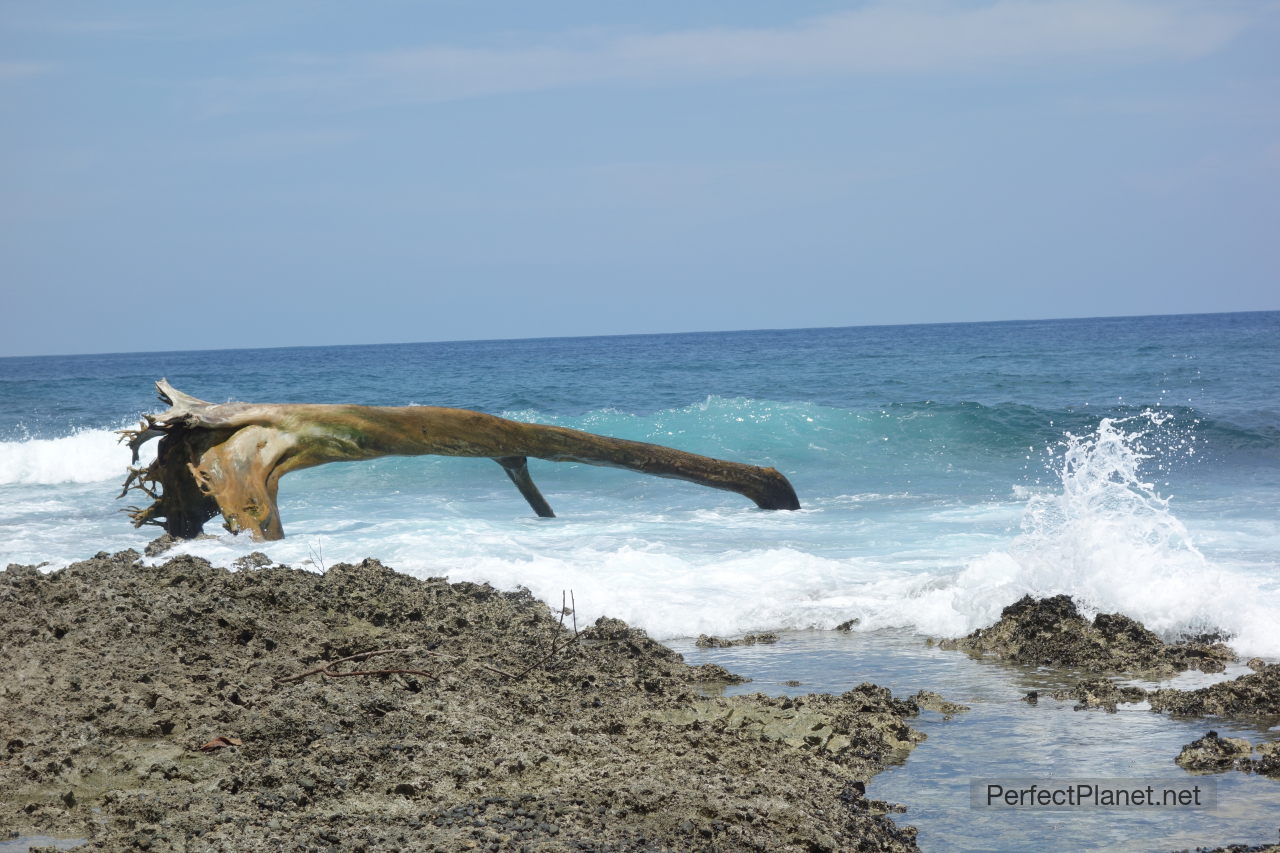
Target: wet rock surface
{"x": 706, "y": 641}
{"x": 1236, "y": 848}
{"x": 930, "y": 701}
{"x": 1255, "y": 694}
{"x": 142, "y": 708}
{"x": 1099, "y": 693}
{"x": 1214, "y": 753}
{"x": 1052, "y": 632}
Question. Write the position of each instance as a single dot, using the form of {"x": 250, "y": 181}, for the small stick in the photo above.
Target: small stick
{"x": 555, "y": 641}
{"x": 379, "y": 672}
{"x": 503, "y": 673}
{"x": 325, "y": 668}
{"x": 492, "y": 669}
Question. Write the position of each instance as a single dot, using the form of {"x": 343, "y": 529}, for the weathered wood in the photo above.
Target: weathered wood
{"x": 228, "y": 458}
{"x": 517, "y": 468}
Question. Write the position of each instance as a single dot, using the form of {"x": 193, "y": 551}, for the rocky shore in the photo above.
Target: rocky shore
{"x": 185, "y": 707}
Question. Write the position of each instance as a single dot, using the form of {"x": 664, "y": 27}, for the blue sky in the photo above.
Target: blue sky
{"x": 185, "y": 176}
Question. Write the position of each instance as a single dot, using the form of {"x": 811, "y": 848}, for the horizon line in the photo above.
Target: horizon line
{"x": 650, "y": 334}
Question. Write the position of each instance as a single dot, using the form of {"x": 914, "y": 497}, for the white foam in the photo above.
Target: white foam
{"x": 87, "y": 456}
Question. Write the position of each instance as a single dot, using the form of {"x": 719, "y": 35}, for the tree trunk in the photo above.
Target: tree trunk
{"x": 229, "y": 457}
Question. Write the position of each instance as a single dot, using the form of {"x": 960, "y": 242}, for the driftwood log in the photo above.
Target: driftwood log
{"x": 228, "y": 458}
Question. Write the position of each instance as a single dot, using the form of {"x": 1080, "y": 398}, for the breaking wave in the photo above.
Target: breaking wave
{"x": 86, "y": 456}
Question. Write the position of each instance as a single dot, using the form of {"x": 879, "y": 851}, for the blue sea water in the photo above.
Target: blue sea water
{"x": 944, "y": 471}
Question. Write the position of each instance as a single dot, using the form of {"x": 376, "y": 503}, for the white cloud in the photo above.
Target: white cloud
{"x": 879, "y": 38}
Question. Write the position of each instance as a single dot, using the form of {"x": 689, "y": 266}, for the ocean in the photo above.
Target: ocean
{"x": 943, "y": 471}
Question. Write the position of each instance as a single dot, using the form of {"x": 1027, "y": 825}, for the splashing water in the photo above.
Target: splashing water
{"x": 1107, "y": 520}
{"x": 86, "y": 456}
{"x": 1111, "y": 541}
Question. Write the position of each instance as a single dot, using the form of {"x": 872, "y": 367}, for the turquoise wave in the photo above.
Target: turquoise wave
{"x": 805, "y": 431}
{"x": 959, "y": 449}
{"x": 828, "y": 447}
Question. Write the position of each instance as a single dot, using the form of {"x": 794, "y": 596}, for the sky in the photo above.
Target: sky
{"x": 245, "y": 174}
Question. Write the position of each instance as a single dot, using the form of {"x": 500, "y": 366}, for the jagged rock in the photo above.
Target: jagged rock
{"x": 165, "y": 542}
{"x": 706, "y": 641}
{"x": 252, "y": 560}
{"x": 160, "y": 544}
{"x": 1268, "y": 761}
{"x": 930, "y": 701}
{"x": 490, "y": 726}
{"x": 1236, "y": 848}
{"x": 1051, "y": 632}
{"x": 1214, "y": 753}
{"x": 1100, "y": 693}
{"x": 1257, "y": 693}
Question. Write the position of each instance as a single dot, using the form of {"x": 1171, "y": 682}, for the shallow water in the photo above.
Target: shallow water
{"x": 1004, "y": 737}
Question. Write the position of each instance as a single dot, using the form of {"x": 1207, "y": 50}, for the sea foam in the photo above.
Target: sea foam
{"x": 86, "y": 456}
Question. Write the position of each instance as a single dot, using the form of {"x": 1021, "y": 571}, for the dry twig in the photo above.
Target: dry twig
{"x": 327, "y": 669}
{"x": 555, "y": 642}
